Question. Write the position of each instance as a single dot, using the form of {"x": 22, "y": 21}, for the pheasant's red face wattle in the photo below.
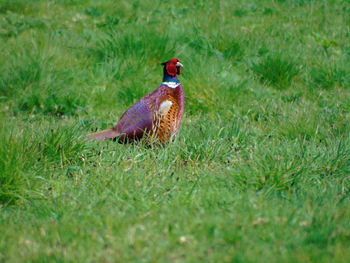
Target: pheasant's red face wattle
{"x": 173, "y": 67}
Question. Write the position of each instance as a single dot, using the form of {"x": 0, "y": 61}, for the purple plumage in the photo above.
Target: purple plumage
{"x": 156, "y": 115}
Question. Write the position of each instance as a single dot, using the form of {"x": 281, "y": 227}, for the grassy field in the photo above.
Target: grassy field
{"x": 260, "y": 171}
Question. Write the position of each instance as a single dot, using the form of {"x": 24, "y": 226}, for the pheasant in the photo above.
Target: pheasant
{"x": 157, "y": 115}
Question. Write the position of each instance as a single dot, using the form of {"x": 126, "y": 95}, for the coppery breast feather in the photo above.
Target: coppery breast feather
{"x": 166, "y": 123}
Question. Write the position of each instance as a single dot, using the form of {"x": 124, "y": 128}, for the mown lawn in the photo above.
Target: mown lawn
{"x": 260, "y": 171}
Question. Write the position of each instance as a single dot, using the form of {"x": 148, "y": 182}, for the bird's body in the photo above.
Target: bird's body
{"x": 157, "y": 115}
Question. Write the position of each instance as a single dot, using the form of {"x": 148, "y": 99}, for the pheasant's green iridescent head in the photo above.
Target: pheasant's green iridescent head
{"x": 172, "y": 67}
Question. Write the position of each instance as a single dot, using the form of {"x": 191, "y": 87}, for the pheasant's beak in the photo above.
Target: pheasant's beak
{"x": 178, "y": 64}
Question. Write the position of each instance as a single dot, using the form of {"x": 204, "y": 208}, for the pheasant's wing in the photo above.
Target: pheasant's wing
{"x": 135, "y": 121}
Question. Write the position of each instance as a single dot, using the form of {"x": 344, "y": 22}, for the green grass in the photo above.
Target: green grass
{"x": 260, "y": 171}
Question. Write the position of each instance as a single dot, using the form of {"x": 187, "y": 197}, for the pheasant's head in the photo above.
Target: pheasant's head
{"x": 173, "y": 67}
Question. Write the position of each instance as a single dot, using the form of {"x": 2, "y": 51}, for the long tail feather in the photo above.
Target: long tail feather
{"x": 102, "y": 135}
